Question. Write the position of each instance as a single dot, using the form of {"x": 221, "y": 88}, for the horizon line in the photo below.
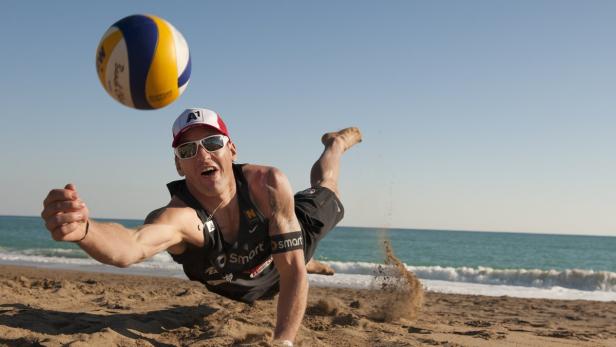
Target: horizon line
{"x": 390, "y": 228}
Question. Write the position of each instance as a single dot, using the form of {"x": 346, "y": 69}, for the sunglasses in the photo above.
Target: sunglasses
{"x": 211, "y": 144}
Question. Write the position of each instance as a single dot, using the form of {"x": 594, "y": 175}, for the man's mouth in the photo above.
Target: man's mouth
{"x": 209, "y": 171}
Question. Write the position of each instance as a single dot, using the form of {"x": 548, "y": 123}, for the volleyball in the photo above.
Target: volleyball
{"x": 143, "y": 62}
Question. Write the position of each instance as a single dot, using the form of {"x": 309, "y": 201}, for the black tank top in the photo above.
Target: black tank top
{"x": 242, "y": 271}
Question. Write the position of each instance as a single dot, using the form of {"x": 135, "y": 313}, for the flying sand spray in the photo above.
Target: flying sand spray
{"x": 403, "y": 294}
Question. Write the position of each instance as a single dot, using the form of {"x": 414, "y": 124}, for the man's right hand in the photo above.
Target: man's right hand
{"x": 65, "y": 214}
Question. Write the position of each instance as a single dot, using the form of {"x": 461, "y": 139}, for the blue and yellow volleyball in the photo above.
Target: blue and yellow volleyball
{"x": 143, "y": 62}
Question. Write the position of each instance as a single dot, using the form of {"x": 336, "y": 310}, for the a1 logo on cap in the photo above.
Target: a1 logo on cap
{"x": 192, "y": 116}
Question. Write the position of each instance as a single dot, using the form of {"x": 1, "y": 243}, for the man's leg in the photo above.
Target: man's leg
{"x": 325, "y": 172}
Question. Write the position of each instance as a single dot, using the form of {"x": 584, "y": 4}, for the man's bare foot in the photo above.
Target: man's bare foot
{"x": 347, "y": 137}
{"x": 315, "y": 267}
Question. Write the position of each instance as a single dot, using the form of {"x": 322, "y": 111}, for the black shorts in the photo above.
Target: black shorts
{"x": 318, "y": 210}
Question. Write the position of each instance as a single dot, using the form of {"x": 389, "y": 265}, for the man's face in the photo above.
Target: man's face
{"x": 210, "y": 173}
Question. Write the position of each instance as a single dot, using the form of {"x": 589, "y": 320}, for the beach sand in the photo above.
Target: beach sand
{"x": 56, "y": 307}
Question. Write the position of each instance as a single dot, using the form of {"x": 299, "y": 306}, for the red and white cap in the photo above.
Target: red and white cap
{"x": 192, "y": 117}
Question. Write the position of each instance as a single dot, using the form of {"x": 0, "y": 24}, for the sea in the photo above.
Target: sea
{"x": 525, "y": 265}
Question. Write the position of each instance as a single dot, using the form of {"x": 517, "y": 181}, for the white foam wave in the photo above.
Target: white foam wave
{"x": 588, "y": 280}
{"x": 566, "y": 284}
{"x": 159, "y": 261}
{"x": 55, "y": 252}
{"x": 357, "y": 281}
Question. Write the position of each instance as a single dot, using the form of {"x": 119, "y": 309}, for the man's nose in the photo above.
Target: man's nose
{"x": 202, "y": 152}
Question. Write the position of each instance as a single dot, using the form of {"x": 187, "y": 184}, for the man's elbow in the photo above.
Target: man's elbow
{"x": 126, "y": 260}
{"x": 117, "y": 262}
{"x": 122, "y": 264}
{"x": 120, "y": 261}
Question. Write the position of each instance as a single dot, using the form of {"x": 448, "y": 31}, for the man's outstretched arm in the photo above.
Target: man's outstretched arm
{"x": 67, "y": 218}
{"x": 288, "y": 254}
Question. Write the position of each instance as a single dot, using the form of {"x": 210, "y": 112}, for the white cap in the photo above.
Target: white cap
{"x": 192, "y": 117}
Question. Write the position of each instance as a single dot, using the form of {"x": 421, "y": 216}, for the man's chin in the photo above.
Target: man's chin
{"x": 209, "y": 183}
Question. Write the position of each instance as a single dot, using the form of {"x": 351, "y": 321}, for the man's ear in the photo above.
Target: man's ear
{"x": 178, "y": 167}
{"x": 233, "y": 150}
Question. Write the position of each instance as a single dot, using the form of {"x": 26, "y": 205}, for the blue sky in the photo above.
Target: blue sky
{"x": 478, "y": 115}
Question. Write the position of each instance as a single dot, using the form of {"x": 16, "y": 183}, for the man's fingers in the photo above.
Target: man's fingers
{"x": 72, "y": 187}
{"x": 59, "y": 195}
{"x": 64, "y": 206}
{"x": 58, "y": 220}
{"x": 65, "y": 218}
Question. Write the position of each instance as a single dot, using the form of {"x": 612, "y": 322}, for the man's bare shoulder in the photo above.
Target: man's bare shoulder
{"x": 178, "y": 214}
{"x": 269, "y": 188}
{"x": 262, "y": 175}
{"x": 175, "y": 212}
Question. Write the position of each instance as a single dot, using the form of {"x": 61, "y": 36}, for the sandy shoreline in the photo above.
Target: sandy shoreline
{"x": 62, "y": 307}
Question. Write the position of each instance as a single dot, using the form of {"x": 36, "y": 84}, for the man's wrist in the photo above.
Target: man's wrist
{"x": 86, "y": 232}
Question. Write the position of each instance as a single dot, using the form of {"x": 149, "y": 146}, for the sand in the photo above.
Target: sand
{"x": 68, "y": 308}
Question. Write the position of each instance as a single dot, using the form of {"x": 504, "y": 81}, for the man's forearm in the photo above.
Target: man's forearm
{"x": 110, "y": 243}
{"x": 291, "y": 305}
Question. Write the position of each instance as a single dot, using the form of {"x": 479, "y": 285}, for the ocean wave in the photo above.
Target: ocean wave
{"x": 55, "y": 252}
{"x": 159, "y": 261}
{"x": 67, "y": 256}
{"x": 588, "y": 280}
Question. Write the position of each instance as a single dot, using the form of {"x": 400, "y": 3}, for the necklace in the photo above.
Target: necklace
{"x": 209, "y": 218}
{"x": 209, "y": 224}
